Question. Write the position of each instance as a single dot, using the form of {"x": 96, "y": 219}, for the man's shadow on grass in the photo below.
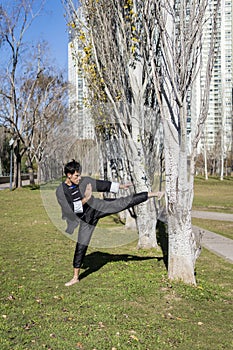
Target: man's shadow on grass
{"x": 96, "y": 260}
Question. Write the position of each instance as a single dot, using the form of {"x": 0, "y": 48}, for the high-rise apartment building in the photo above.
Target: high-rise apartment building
{"x": 218, "y": 127}
{"x": 78, "y": 113}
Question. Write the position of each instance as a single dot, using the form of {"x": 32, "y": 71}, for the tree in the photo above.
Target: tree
{"x": 4, "y": 151}
{"x": 132, "y": 49}
{"x": 14, "y": 23}
{"x": 46, "y": 110}
{"x": 109, "y": 49}
{"x": 32, "y": 94}
{"x": 181, "y": 26}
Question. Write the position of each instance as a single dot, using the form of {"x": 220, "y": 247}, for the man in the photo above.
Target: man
{"x": 80, "y": 207}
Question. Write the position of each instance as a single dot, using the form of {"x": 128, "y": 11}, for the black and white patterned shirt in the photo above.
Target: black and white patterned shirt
{"x": 76, "y": 198}
{"x": 70, "y": 197}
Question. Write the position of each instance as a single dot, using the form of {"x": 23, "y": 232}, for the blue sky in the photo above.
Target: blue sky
{"x": 51, "y": 26}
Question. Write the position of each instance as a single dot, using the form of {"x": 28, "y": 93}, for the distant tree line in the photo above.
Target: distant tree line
{"x": 33, "y": 93}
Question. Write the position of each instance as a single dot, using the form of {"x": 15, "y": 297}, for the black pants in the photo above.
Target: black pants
{"x": 95, "y": 210}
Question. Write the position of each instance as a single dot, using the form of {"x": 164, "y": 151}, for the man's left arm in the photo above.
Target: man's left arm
{"x": 103, "y": 185}
{"x": 113, "y": 187}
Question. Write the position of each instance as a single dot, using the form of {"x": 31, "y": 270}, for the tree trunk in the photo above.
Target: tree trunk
{"x": 0, "y": 166}
{"x": 221, "y": 166}
{"x": 205, "y": 161}
{"x": 39, "y": 170}
{"x": 17, "y": 166}
{"x": 17, "y": 172}
{"x": 182, "y": 246}
{"x": 146, "y": 224}
{"x": 31, "y": 175}
{"x": 130, "y": 222}
{"x": 146, "y": 216}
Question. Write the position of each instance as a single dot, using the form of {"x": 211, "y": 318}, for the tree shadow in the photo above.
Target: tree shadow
{"x": 96, "y": 260}
{"x": 162, "y": 240}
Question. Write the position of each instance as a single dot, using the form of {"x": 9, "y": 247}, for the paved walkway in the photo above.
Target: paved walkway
{"x": 212, "y": 215}
{"x": 214, "y": 242}
{"x": 4, "y": 186}
{"x": 7, "y": 185}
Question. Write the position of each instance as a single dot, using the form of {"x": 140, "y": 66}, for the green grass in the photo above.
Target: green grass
{"x": 124, "y": 299}
{"x": 213, "y": 194}
{"x": 216, "y": 196}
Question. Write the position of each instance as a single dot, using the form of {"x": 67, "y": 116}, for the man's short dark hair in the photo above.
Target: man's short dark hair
{"x": 72, "y": 166}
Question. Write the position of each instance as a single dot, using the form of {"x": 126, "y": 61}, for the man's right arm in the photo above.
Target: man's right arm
{"x": 87, "y": 194}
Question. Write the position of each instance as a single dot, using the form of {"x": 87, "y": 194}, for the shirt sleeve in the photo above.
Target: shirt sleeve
{"x": 98, "y": 185}
{"x": 114, "y": 187}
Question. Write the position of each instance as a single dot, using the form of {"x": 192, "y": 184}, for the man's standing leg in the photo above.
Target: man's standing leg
{"x": 84, "y": 237}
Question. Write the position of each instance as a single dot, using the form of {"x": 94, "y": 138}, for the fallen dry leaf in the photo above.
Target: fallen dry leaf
{"x": 134, "y": 337}
{"x": 101, "y": 325}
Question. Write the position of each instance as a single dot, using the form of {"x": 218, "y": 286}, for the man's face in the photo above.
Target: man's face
{"x": 75, "y": 178}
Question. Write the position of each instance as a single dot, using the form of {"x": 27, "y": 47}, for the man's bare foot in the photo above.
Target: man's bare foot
{"x": 156, "y": 194}
{"x": 71, "y": 282}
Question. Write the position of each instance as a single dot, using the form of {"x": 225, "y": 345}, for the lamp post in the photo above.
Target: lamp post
{"x": 11, "y": 160}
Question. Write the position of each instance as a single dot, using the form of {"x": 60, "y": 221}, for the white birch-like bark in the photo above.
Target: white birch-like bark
{"x": 205, "y": 161}
{"x": 223, "y": 97}
{"x": 181, "y": 49}
{"x": 118, "y": 57}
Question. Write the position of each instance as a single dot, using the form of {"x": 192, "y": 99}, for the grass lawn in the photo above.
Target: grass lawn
{"x": 213, "y": 194}
{"x": 123, "y": 301}
{"x": 217, "y": 196}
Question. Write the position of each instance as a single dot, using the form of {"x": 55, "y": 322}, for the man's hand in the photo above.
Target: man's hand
{"x": 160, "y": 195}
{"x": 87, "y": 194}
{"x": 125, "y": 186}
{"x": 156, "y": 194}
